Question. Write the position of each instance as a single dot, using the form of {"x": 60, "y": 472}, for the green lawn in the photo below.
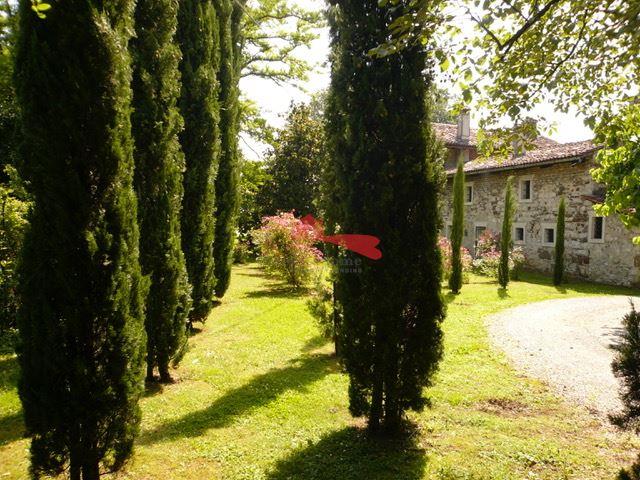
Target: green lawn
{"x": 260, "y": 396}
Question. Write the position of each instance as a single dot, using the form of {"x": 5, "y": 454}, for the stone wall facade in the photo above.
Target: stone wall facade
{"x": 611, "y": 260}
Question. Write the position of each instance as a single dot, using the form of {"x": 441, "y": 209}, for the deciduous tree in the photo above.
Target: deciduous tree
{"x": 294, "y": 165}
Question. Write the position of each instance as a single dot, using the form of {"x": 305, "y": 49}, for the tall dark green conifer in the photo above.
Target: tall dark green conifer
{"x": 505, "y": 237}
{"x": 386, "y": 160}
{"x": 199, "y": 40}
{"x": 558, "y": 267}
{"x": 156, "y": 123}
{"x": 228, "y": 174}
{"x": 457, "y": 229}
{"x": 82, "y": 318}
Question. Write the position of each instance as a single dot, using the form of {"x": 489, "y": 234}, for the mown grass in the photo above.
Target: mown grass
{"x": 260, "y": 396}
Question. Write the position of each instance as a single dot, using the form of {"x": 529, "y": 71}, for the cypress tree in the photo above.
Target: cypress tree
{"x": 156, "y": 123}
{"x": 457, "y": 229}
{"x": 505, "y": 238}
{"x": 199, "y": 40}
{"x": 81, "y": 322}
{"x": 558, "y": 268}
{"x": 386, "y": 161}
{"x": 228, "y": 173}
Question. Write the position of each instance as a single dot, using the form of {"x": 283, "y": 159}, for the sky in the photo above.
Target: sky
{"x": 274, "y": 100}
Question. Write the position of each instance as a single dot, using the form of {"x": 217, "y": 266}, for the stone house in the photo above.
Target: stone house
{"x": 596, "y": 248}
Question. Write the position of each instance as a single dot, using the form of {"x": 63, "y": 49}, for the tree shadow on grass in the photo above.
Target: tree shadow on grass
{"x": 11, "y": 428}
{"x": 450, "y": 297}
{"x": 314, "y": 343}
{"x": 260, "y": 391}
{"x": 503, "y": 293}
{"x": 351, "y": 454}
{"x": 576, "y": 285}
{"x": 278, "y": 290}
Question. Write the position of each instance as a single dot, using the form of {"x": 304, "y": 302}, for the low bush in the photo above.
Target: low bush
{"x": 321, "y": 304}
{"x": 626, "y": 367}
{"x": 241, "y": 252}
{"x": 487, "y": 258}
{"x": 287, "y": 248}
{"x": 445, "y": 249}
{"x": 14, "y": 208}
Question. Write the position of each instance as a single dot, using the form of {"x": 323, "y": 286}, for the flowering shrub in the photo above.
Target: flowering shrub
{"x": 516, "y": 262}
{"x": 287, "y": 248}
{"x": 488, "y": 256}
{"x": 445, "y": 248}
{"x": 488, "y": 242}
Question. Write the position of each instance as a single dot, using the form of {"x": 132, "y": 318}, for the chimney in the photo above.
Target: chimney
{"x": 464, "y": 126}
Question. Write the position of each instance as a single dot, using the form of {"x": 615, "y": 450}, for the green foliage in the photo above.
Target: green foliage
{"x": 619, "y": 166}
{"x": 321, "y": 305}
{"x": 294, "y": 166}
{"x": 14, "y": 207}
{"x": 198, "y": 37}
{"x": 275, "y": 34}
{"x": 457, "y": 229}
{"x": 441, "y": 106}
{"x": 538, "y": 51}
{"x": 253, "y": 178}
{"x": 387, "y": 164}
{"x": 159, "y": 161}
{"x": 626, "y": 367}
{"x": 81, "y": 320}
{"x": 231, "y": 15}
{"x": 505, "y": 237}
{"x": 9, "y": 112}
{"x": 558, "y": 266}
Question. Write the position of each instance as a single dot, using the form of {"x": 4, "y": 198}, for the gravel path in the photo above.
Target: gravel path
{"x": 567, "y": 344}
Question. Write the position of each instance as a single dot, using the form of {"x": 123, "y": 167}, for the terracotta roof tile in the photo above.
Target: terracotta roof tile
{"x": 546, "y": 151}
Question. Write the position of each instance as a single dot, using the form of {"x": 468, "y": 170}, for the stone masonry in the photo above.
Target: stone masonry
{"x": 603, "y": 255}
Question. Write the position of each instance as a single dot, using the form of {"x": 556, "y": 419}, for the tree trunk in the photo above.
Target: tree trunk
{"x": 165, "y": 376}
{"x": 336, "y": 322}
{"x": 91, "y": 470}
{"x": 74, "y": 469}
{"x": 378, "y": 385}
{"x": 150, "y": 377}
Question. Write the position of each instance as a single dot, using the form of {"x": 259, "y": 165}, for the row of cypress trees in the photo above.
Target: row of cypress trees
{"x": 123, "y": 140}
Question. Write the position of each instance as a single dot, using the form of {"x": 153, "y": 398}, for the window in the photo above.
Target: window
{"x": 526, "y": 189}
{"x": 519, "y": 234}
{"x": 596, "y": 229}
{"x": 548, "y": 235}
{"x": 468, "y": 193}
{"x": 480, "y": 228}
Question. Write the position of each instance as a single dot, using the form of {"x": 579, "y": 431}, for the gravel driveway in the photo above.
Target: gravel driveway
{"x": 566, "y": 343}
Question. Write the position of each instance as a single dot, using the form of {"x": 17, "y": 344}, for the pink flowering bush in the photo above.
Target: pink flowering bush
{"x": 287, "y": 248}
{"x": 445, "y": 248}
{"x": 488, "y": 256}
